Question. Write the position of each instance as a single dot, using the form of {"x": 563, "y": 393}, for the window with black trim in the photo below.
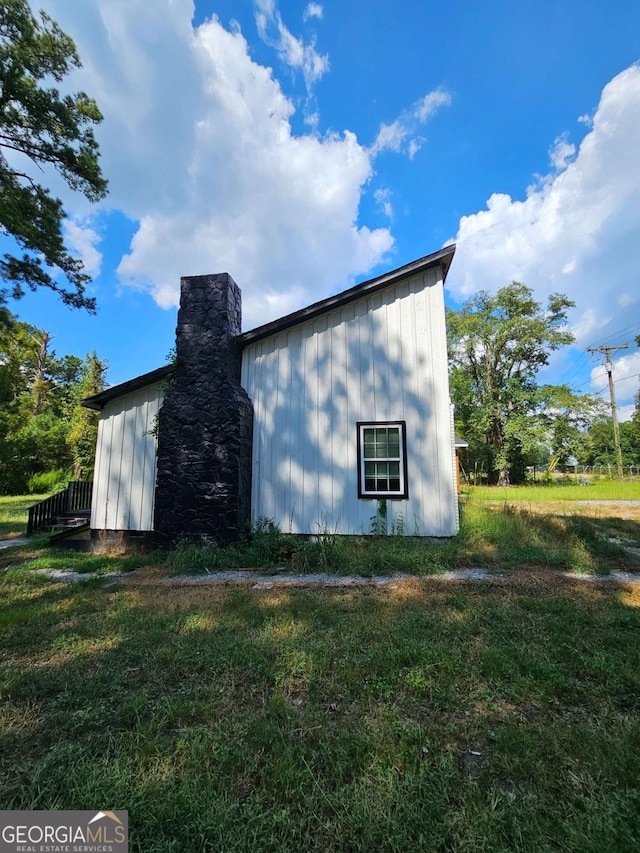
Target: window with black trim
{"x": 382, "y": 460}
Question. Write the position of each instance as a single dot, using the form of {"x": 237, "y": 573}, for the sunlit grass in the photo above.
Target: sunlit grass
{"x": 83, "y": 563}
{"x": 14, "y": 512}
{"x": 597, "y": 490}
{"x": 426, "y": 718}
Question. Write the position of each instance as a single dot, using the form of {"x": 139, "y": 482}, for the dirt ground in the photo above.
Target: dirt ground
{"x": 627, "y": 510}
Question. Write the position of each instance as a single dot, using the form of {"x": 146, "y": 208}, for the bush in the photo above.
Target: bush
{"x": 48, "y": 481}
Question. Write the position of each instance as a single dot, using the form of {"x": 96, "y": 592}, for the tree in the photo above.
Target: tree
{"x": 83, "y": 427}
{"x": 497, "y": 345}
{"x": 42, "y": 426}
{"x": 40, "y": 129}
{"x": 567, "y": 416}
{"x": 597, "y": 446}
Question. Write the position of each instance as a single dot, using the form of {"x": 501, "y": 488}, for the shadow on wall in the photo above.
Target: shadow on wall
{"x": 380, "y": 358}
{"x": 126, "y": 463}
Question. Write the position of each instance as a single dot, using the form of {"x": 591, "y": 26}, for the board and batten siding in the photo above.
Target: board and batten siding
{"x": 382, "y": 357}
{"x": 125, "y": 469}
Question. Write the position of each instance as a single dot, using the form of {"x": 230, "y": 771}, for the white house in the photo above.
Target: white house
{"x": 310, "y": 420}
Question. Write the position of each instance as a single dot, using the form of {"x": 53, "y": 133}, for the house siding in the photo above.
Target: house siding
{"x": 379, "y": 358}
{"x": 125, "y": 469}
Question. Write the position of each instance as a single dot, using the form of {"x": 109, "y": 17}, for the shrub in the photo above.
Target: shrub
{"x": 48, "y": 481}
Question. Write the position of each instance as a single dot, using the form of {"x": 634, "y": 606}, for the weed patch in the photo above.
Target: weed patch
{"x": 489, "y": 535}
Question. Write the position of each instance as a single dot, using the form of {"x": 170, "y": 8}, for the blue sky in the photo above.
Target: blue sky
{"x": 302, "y": 147}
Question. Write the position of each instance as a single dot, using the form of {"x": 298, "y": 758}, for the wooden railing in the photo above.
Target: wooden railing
{"x": 77, "y": 496}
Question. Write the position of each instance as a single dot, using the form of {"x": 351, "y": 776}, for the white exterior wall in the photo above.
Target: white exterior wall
{"x": 382, "y": 357}
{"x": 125, "y": 469}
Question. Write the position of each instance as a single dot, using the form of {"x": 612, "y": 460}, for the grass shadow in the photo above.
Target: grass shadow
{"x": 327, "y": 720}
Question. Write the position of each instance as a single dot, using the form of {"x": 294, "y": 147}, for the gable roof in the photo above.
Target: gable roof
{"x": 442, "y": 258}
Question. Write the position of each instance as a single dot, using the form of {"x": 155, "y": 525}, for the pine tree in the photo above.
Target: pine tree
{"x": 40, "y": 129}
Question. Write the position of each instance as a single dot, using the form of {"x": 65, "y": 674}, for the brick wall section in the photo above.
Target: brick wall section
{"x": 203, "y": 486}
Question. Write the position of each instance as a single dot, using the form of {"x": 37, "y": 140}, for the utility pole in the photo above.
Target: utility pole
{"x": 607, "y": 350}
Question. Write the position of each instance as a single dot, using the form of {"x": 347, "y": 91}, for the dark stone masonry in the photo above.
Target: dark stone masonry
{"x": 203, "y": 486}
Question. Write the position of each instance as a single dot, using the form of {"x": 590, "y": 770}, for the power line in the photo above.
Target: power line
{"x": 624, "y": 378}
{"x": 590, "y": 380}
{"x": 577, "y": 364}
{"x": 617, "y": 332}
{"x": 615, "y": 382}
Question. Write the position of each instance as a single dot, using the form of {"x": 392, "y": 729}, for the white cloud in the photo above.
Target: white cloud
{"x": 400, "y": 135}
{"x": 587, "y": 324}
{"x": 576, "y": 231}
{"x": 626, "y": 299}
{"x": 199, "y": 150}
{"x": 82, "y": 240}
{"x": 561, "y": 152}
{"x": 312, "y": 120}
{"x": 390, "y": 137}
{"x": 625, "y": 413}
{"x": 292, "y": 51}
{"x": 313, "y": 10}
{"x": 415, "y": 145}
{"x": 430, "y": 104}
{"x": 383, "y": 198}
{"x": 140, "y": 65}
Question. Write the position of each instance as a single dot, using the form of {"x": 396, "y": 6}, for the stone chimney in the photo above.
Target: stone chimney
{"x": 205, "y": 425}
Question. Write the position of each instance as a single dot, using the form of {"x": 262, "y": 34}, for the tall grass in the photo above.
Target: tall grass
{"x": 48, "y": 482}
{"x": 511, "y": 536}
{"x": 496, "y": 536}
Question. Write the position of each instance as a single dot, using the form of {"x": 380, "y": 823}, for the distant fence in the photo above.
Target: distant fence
{"x": 609, "y": 470}
{"x": 538, "y": 472}
{"x": 591, "y": 470}
{"x": 77, "y": 496}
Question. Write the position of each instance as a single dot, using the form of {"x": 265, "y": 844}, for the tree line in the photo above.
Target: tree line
{"x": 498, "y": 343}
{"x": 45, "y": 434}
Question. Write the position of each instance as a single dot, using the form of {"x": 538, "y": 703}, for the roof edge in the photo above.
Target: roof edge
{"x": 442, "y": 258}
{"x": 98, "y": 401}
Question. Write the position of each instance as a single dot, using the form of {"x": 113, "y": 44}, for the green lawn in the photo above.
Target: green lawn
{"x": 491, "y": 717}
{"x": 499, "y": 717}
{"x": 597, "y": 490}
{"x": 14, "y": 514}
